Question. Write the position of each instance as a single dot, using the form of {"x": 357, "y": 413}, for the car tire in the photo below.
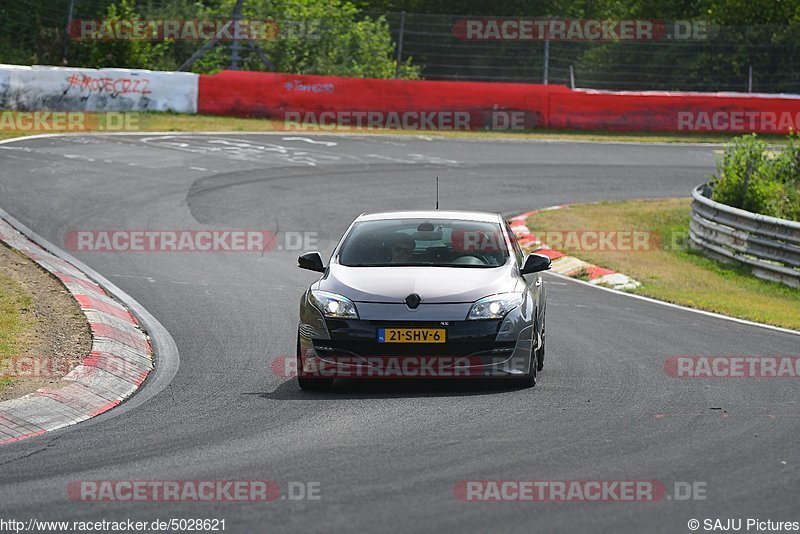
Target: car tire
{"x": 540, "y": 350}
{"x": 308, "y": 383}
{"x": 529, "y": 379}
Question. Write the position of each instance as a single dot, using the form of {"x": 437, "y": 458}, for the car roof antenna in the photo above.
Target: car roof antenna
{"x": 437, "y": 192}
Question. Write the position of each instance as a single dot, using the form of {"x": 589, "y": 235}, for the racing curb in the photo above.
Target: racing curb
{"x": 119, "y": 361}
{"x": 567, "y": 265}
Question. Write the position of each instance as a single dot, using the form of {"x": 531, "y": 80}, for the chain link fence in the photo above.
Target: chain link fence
{"x": 760, "y": 59}
{"x": 752, "y": 58}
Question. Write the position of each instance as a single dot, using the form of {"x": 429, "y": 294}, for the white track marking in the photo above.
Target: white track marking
{"x": 678, "y": 306}
{"x": 313, "y": 142}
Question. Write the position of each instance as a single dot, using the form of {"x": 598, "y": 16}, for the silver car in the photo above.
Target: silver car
{"x": 423, "y": 294}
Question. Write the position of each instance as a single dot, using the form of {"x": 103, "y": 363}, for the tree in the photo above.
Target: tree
{"x": 323, "y": 37}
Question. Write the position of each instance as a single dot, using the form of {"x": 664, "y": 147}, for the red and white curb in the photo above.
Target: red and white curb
{"x": 119, "y": 361}
{"x": 568, "y": 265}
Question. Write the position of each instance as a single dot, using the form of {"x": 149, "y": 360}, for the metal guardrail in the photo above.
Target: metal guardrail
{"x": 769, "y": 246}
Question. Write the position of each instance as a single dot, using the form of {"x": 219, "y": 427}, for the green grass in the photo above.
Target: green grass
{"x": 13, "y": 301}
{"x": 177, "y": 122}
{"x": 669, "y": 271}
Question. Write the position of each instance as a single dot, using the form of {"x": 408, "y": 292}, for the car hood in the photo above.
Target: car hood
{"x": 433, "y": 284}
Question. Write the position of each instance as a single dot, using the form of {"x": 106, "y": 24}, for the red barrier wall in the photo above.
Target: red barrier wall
{"x": 673, "y": 112}
{"x": 292, "y": 97}
{"x": 253, "y": 94}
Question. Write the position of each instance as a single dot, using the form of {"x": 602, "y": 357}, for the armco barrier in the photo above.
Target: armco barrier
{"x": 253, "y": 94}
{"x": 769, "y": 246}
{"x": 71, "y": 89}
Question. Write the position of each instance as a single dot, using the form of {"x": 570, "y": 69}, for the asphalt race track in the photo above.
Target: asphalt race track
{"x": 387, "y": 456}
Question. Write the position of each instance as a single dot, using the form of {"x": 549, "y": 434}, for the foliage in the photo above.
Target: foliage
{"x": 751, "y": 177}
{"x": 323, "y": 37}
{"x": 134, "y": 54}
{"x": 352, "y": 37}
{"x": 314, "y": 37}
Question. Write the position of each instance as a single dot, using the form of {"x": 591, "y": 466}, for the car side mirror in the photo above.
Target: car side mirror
{"x": 535, "y": 263}
{"x": 311, "y": 261}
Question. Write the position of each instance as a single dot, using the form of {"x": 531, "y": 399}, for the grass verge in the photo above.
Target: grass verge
{"x": 39, "y": 318}
{"x": 668, "y": 270}
{"x": 177, "y": 122}
{"x": 13, "y": 302}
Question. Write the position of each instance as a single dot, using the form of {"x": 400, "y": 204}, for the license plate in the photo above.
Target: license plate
{"x": 412, "y": 335}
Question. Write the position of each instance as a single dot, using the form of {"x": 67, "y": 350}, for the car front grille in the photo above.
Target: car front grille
{"x": 366, "y": 349}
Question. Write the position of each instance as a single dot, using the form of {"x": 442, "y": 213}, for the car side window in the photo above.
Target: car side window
{"x": 517, "y": 250}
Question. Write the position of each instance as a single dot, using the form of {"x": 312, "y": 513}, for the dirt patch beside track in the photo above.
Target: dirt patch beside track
{"x": 50, "y": 327}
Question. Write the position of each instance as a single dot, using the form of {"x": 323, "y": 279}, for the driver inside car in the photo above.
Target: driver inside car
{"x": 402, "y": 248}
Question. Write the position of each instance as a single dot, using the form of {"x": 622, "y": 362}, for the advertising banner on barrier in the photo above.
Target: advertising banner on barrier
{"x": 73, "y": 89}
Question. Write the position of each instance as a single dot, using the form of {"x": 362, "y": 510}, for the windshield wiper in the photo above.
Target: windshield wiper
{"x": 404, "y": 264}
{"x": 418, "y": 264}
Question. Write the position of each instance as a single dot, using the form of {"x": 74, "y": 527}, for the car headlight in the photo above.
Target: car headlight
{"x": 333, "y": 305}
{"x": 495, "y": 306}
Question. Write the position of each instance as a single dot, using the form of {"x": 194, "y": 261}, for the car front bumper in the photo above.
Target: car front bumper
{"x": 349, "y": 348}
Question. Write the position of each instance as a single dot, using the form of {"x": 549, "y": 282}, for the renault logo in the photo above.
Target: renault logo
{"x": 413, "y": 300}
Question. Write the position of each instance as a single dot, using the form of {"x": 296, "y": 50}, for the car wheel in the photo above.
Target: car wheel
{"x": 310, "y": 383}
{"x": 529, "y": 379}
{"x": 540, "y": 352}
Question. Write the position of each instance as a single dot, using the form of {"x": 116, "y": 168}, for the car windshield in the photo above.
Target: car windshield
{"x": 424, "y": 242}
